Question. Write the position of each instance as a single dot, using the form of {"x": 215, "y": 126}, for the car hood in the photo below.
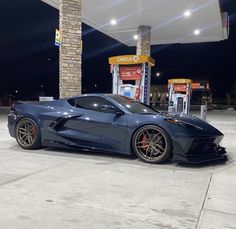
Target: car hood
{"x": 193, "y": 120}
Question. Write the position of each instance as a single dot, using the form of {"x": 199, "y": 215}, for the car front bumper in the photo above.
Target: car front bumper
{"x": 199, "y": 149}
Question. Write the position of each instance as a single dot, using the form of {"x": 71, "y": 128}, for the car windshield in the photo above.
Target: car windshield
{"x": 133, "y": 106}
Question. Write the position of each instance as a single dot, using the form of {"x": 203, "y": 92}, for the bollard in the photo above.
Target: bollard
{"x": 203, "y": 112}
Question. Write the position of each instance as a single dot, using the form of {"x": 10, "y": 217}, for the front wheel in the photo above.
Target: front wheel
{"x": 28, "y": 134}
{"x": 152, "y": 144}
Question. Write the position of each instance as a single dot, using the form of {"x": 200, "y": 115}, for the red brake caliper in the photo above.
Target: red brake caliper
{"x": 33, "y": 130}
{"x": 144, "y": 142}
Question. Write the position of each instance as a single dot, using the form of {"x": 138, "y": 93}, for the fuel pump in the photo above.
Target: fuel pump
{"x": 132, "y": 76}
{"x": 179, "y": 95}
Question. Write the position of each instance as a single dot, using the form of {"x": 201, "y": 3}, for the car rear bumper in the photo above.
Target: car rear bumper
{"x": 11, "y": 124}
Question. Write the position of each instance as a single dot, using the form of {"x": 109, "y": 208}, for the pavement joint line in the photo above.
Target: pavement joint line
{"x": 34, "y": 173}
{"x": 204, "y": 200}
{"x": 211, "y": 210}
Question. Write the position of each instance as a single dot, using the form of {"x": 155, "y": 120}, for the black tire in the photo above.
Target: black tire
{"x": 152, "y": 144}
{"x": 28, "y": 134}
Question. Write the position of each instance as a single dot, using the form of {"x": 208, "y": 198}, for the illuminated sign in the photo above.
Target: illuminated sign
{"x": 131, "y": 59}
{"x": 57, "y": 38}
{"x": 200, "y": 86}
{"x": 180, "y": 87}
{"x": 178, "y": 81}
{"x": 134, "y": 59}
{"x": 131, "y": 72}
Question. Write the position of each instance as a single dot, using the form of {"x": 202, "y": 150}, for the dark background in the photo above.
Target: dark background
{"x": 29, "y": 64}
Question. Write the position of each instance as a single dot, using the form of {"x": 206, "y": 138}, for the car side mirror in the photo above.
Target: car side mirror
{"x": 112, "y": 109}
{"x": 119, "y": 112}
{"x": 108, "y": 108}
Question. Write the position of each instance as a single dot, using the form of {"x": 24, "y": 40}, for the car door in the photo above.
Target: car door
{"x": 98, "y": 126}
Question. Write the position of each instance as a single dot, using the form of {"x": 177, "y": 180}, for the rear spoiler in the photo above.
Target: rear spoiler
{"x": 23, "y": 102}
{"x": 40, "y": 103}
{"x": 26, "y": 102}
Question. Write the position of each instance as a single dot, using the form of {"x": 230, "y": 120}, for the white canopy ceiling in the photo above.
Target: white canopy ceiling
{"x": 166, "y": 17}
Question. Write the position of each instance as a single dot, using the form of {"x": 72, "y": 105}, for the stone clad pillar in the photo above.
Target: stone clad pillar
{"x": 144, "y": 40}
{"x": 144, "y": 48}
{"x": 71, "y": 48}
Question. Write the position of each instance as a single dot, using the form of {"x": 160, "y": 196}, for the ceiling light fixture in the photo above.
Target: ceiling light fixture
{"x": 135, "y": 36}
{"x": 187, "y": 13}
{"x": 113, "y": 22}
{"x": 196, "y": 32}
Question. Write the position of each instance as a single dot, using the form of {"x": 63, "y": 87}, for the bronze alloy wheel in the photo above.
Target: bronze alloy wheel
{"x": 27, "y": 134}
{"x": 152, "y": 144}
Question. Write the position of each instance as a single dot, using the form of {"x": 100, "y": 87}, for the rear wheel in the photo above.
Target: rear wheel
{"x": 28, "y": 134}
{"x": 152, "y": 144}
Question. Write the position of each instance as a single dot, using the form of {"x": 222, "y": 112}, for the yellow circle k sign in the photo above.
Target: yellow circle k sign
{"x": 131, "y": 59}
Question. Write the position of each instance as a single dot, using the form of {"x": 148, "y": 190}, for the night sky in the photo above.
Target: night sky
{"x": 29, "y": 59}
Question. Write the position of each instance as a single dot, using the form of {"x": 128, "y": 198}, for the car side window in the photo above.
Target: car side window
{"x": 93, "y": 103}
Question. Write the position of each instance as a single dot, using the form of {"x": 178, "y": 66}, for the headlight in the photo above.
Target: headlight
{"x": 183, "y": 124}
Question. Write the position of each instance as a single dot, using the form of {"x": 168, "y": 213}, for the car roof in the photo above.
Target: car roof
{"x": 103, "y": 95}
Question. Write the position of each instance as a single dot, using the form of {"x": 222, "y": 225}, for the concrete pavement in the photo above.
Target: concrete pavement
{"x": 62, "y": 189}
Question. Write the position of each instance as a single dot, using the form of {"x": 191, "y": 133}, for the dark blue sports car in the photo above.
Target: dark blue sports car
{"x": 113, "y": 123}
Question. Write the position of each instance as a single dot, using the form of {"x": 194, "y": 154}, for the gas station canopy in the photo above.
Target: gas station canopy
{"x": 172, "y": 21}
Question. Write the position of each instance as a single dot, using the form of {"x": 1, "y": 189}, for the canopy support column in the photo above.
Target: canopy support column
{"x": 144, "y": 40}
{"x": 71, "y": 48}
